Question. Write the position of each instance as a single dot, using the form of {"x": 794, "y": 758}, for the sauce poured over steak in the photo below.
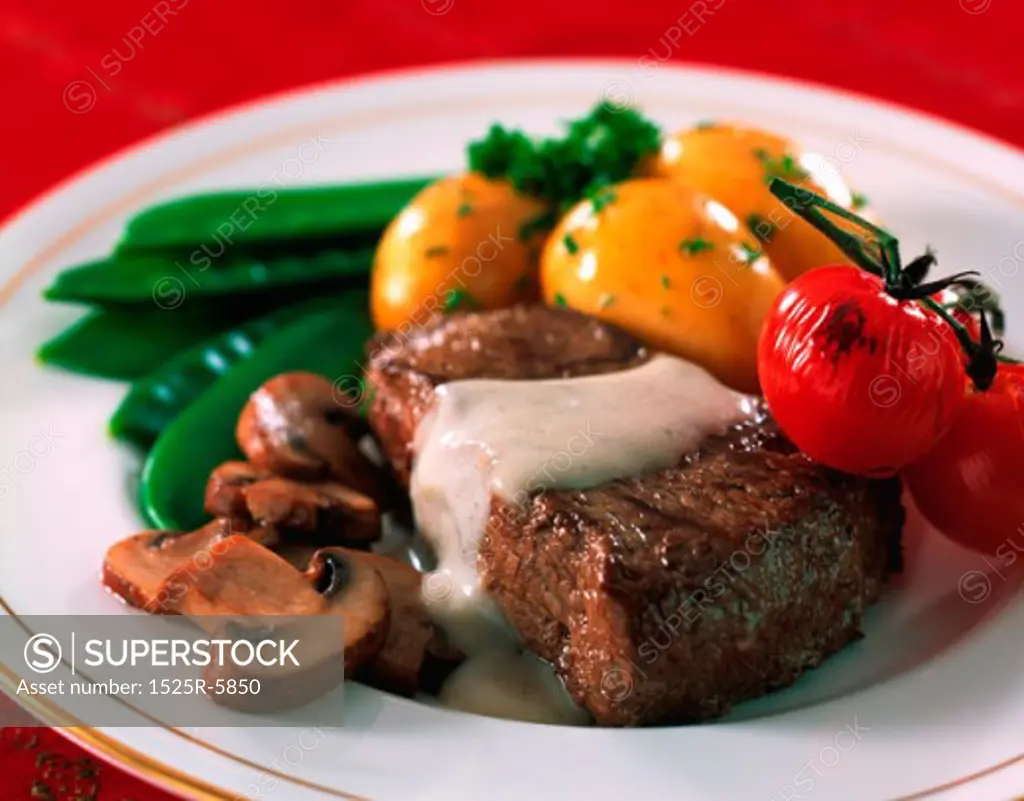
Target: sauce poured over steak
{"x": 664, "y": 597}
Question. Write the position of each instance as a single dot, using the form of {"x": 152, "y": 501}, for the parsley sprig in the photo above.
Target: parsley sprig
{"x": 785, "y": 166}
{"x": 763, "y": 229}
{"x": 748, "y": 253}
{"x": 598, "y": 149}
{"x": 695, "y": 245}
{"x": 459, "y": 300}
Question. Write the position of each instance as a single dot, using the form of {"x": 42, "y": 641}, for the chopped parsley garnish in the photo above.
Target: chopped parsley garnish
{"x": 459, "y": 299}
{"x": 703, "y": 125}
{"x": 750, "y": 253}
{"x": 601, "y": 198}
{"x": 788, "y": 166}
{"x": 605, "y": 301}
{"x": 858, "y": 201}
{"x": 762, "y": 228}
{"x": 785, "y": 167}
{"x": 570, "y": 244}
{"x": 695, "y": 245}
{"x": 542, "y": 223}
{"x": 436, "y": 250}
{"x": 665, "y": 311}
{"x": 465, "y": 209}
{"x": 665, "y": 282}
{"x": 596, "y": 150}
{"x": 560, "y": 299}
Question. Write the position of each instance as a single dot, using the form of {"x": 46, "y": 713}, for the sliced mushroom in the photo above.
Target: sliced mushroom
{"x": 337, "y": 613}
{"x": 297, "y": 554}
{"x": 315, "y": 664}
{"x": 354, "y": 591}
{"x": 240, "y": 577}
{"x": 295, "y": 425}
{"x": 245, "y": 579}
{"x": 413, "y": 641}
{"x": 137, "y": 567}
{"x": 326, "y": 511}
{"x": 330, "y": 511}
{"x": 224, "y": 489}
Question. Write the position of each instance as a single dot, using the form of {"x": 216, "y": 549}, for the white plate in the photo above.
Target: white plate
{"x": 935, "y": 692}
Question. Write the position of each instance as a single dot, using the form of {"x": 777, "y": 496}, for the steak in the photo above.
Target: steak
{"x": 525, "y": 342}
{"x": 665, "y": 597}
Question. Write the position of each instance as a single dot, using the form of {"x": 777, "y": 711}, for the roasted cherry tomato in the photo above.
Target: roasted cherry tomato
{"x": 969, "y": 485}
{"x": 858, "y": 380}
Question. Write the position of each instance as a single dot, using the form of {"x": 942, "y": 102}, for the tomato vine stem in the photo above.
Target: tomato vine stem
{"x": 884, "y": 261}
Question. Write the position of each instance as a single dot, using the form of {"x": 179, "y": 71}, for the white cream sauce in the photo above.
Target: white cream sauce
{"x": 511, "y": 439}
{"x": 512, "y": 684}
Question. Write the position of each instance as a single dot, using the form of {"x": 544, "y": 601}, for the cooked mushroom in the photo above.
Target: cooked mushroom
{"x": 413, "y": 640}
{"x": 325, "y": 511}
{"x": 295, "y": 425}
{"x": 356, "y": 592}
{"x": 245, "y": 579}
{"x": 316, "y": 643}
{"x": 325, "y": 508}
{"x": 224, "y": 489}
{"x": 297, "y": 554}
{"x": 329, "y": 511}
{"x": 136, "y": 568}
{"x": 247, "y": 588}
{"x": 241, "y": 577}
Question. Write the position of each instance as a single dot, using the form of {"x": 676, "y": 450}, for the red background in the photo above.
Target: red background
{"x": 955, "y": 58}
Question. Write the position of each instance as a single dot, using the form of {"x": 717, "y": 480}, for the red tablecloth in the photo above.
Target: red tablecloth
{"x": 176, "y": 59}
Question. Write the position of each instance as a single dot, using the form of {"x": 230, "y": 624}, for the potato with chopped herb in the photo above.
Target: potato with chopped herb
{"x": 670, "y": 265}
{"x": 734, "y": 165}
{"x": 464, "y": 241}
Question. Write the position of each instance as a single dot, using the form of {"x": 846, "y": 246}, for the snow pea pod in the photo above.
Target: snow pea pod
{"x": 271, "y": 214}
{"x": 125, "y": 343}
{"x": 161, "y": 395}
{"x": 328, "y": 341}
{"x": 169, "y": 284}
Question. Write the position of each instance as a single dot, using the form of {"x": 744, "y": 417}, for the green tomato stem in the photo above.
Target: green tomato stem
{"x": 969, "y": 345}
{"x": 887, "y": 265}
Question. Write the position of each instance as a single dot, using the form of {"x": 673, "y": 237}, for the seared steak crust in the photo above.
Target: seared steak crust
{"x": 525, "y": 342}
{"x": 670, "y": 596}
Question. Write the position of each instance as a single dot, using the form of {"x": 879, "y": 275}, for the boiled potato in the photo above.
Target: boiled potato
{"x": 462, "y": 234}
{"x": 733, "y": 165}
{"x": 672, "y": 266}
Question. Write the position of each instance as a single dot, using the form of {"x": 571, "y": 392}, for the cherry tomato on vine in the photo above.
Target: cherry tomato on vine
{"x": 969, "y": 486}
{"x": 858, "y": 380}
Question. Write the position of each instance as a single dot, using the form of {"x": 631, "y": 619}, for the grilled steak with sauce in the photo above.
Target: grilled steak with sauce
{"x": 670, "y": 596}
{"x": 526, "y": 342}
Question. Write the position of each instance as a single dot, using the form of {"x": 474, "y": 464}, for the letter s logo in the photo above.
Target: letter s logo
{"x": 42, "y": 653}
